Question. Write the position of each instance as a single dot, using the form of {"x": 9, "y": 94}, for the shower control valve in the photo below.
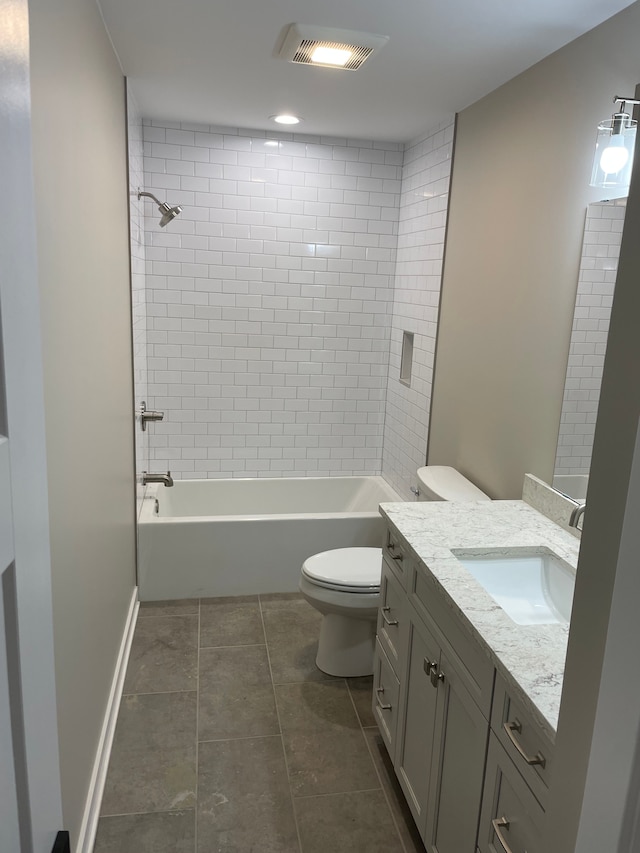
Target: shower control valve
{"x": 146, "y": 416}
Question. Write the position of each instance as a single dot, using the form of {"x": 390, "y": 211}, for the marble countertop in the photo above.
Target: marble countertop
{"x": 531, "y": 658}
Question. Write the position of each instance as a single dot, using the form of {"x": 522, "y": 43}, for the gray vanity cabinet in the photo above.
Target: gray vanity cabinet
{"x": 472, "y": 755}
{"x": 436, "y": 734}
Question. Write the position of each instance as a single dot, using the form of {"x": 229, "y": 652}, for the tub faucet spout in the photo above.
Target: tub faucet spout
{"x": 165, "y": 479}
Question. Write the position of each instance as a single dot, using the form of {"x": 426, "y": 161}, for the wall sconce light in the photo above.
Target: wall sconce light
{"x": 613, "y": 159}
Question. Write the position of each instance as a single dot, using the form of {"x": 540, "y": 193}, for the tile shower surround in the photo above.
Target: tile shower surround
{"x": 596, "y": 283}
{"x": 270, "y": 300}
{"x": 229, "y": 738}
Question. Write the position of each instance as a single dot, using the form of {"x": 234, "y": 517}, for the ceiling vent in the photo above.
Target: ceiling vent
{"x": 329, "y": 48}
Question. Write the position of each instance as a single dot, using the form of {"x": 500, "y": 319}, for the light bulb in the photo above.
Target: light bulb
{"x": 331, "y": 55}
{"x": 286, "y": 119}
{"x": 615, "y": 156}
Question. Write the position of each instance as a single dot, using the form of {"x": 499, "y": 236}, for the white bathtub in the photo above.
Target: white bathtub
{"x": 243, "y": 537}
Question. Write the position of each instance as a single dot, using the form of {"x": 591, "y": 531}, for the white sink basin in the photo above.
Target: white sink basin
{"x": 532, "y": 588}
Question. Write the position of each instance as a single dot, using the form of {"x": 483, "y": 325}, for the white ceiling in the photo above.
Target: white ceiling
{"x": 215, "y": 62}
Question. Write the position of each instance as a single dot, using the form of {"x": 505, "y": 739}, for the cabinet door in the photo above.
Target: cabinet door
{"x": 512, "y": 819}
{"x": 460, "y": 748}
{"x": 417, "y": 719}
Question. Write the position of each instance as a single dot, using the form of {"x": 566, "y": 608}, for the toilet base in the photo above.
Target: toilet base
{"x": 346, "y": 646}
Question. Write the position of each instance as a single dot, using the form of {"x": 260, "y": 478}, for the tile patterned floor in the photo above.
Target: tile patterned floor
{"x": 230, "y": 740}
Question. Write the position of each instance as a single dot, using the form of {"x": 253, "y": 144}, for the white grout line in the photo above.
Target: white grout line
{"x": 233, "y": 739}
{"x": 284, "y": 754}
{"x": 159, "y": 692}
{"x": 336, "y": 794}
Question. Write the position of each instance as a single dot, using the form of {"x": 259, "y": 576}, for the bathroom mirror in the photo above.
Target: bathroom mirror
{"x": 596, "y": 281}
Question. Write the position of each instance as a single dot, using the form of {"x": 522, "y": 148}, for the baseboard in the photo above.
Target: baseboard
{"x": 89, "y": 824}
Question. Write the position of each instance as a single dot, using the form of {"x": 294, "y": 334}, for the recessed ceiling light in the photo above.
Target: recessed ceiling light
{"x": 331, "y": 55}
{"x": 286, "y": 119}
{"x": 329, "y": 47}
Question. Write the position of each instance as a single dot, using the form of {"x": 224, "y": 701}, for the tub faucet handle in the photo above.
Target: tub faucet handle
{"x": 146, "y": 416}
{"x": 415, "y": 490}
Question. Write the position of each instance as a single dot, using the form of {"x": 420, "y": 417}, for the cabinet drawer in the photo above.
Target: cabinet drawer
{"x": 475, "y": 668}
{"x": 397, "y": 557}
{"x": 524, "y": 740}
{"x": 393, "y": 619}
{"x": 386, "y": 689}
{"x": 512, "y": 820}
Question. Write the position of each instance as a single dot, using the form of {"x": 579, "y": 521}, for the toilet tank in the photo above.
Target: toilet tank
{"x": 442, "y": 483}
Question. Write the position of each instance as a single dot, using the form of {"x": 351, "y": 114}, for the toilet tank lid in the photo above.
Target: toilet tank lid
{"x": 440, "y": 482}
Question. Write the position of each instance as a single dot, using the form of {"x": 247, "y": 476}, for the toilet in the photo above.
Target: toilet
{"x": 344, "y": 584}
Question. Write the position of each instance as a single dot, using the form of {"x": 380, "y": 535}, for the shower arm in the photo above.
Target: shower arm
{"x": 161, "y": 204}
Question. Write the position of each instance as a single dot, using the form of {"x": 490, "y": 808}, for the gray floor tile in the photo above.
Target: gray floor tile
{"x": 361, "y": 690}
{"x": 164, "y": 655}
{"x": 292, "y": 628}
{"x": 347, "y": 823}
{"x": 236, "y": 695}
{"x": 162, "y": 832}
{"x": 176, "y": 607}
{"x": 325, "y": 747}
{"x": 153, "y": 759}
{"x": 230, "y": 621}
{"x": 309, "y": 707}
{"x": 244, "y": 805}
{"x": 404, "y": 820}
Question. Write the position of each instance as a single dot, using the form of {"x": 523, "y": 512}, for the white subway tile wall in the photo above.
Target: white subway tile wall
{"x": 138, "y": 293}
{"x": 269, "y": 300}
{"x": 421, "y": 235}
{"x": 598, "y": 268}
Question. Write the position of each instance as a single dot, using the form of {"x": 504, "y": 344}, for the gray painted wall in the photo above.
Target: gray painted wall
{"x": 519, "y": 193}
{"x": 599, "y": 725}
{"x": 79, "y": 150}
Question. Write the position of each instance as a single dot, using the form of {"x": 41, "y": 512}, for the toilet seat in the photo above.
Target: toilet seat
{"x": 352, "y": 570}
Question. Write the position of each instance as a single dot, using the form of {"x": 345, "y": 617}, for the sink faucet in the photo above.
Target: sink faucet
{"x": 576, "y": 515}
{"x": 166, "y": 479}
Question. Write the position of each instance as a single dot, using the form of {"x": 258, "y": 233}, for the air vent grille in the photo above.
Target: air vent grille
{"x": 307, "y": 46}
{"x": 328, "y": 47}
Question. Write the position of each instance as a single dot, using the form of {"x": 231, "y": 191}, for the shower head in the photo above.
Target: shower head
{"x": 168, "y": 213}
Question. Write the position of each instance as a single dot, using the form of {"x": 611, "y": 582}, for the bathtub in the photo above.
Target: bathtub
{"x": 205, "y": 538}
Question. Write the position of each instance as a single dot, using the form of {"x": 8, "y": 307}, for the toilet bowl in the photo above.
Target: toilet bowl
{"x": 344, "y": 584}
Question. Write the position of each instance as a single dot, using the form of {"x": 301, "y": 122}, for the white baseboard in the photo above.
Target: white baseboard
{"x": 89, "y": 824}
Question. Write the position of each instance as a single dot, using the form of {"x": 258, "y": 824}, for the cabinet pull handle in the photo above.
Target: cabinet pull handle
{"x": 383, "y": 706}
{"x": 397, "y": 557}
{"x": 385, "y": 618}
{"x": 436, "y": 676}
{"x": 516, "y": 726}
{"x": 498, "y": 825}
{"x": 429, "y": 665}
{"x": 431, "y": 668}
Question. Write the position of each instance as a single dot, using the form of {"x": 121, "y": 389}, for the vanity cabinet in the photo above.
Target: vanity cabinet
{"x": 472, "y": 760}
{"x": 435, "y": 731}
